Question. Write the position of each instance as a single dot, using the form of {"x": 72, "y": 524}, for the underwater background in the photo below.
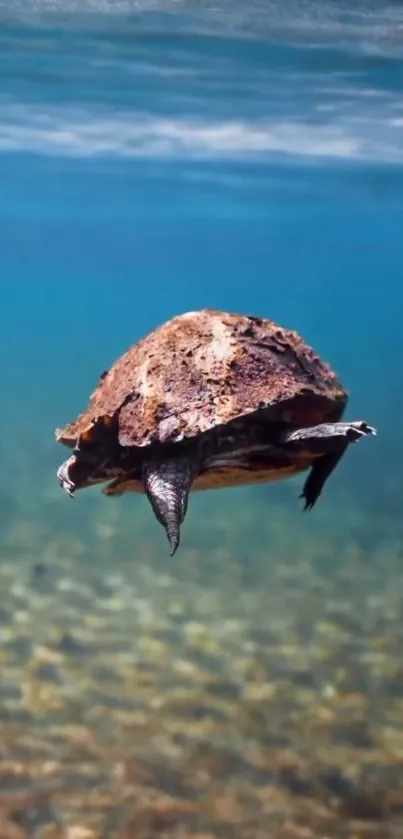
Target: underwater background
{"x": 157, "y": 158}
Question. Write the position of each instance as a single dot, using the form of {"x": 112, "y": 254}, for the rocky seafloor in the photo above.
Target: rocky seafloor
{"x": 138, "y": 700}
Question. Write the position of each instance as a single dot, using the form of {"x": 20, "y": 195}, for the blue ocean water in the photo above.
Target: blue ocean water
{"x": 157, "y": 158}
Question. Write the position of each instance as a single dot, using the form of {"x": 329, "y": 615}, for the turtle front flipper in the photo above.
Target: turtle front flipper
{"x": 167, "y": 483}
{"x": 63, "y": 476}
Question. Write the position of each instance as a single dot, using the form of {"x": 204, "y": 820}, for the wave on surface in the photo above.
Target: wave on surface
{"x": 77, "y": 133}
{"x": 363, "y": 26}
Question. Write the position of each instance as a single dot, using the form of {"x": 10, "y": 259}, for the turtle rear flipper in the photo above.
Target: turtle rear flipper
{"x": 318, "y": 476}
{"x": 328, "y": 436}
{"x": 331, "y": 438}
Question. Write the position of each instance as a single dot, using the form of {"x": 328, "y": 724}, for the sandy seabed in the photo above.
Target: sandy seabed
{"x": 138, "y": 701}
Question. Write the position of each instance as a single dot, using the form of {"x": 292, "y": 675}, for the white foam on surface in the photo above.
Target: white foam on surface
{"x": 77, "y": 133}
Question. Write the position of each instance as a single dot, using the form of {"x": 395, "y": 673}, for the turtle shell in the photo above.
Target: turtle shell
{"x": 204, "y": 369}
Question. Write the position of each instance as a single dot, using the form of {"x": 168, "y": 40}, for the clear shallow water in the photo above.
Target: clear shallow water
{"x": 157, "y": 159}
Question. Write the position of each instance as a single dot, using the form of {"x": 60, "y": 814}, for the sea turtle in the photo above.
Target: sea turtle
{"x": 207, "y": 400}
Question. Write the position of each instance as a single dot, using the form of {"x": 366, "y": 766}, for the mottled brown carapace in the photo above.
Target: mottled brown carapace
{"x": 203, "y": 369}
